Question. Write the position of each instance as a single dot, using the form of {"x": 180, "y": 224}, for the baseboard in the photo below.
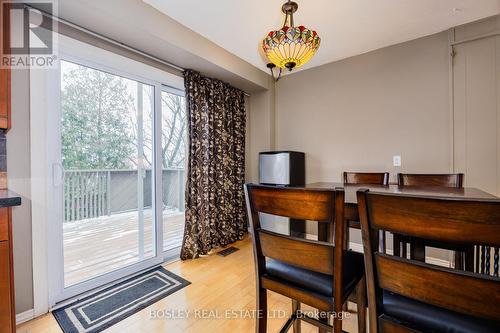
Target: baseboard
{"x": 24, "y": 316}
{"x": 431, "y": 260}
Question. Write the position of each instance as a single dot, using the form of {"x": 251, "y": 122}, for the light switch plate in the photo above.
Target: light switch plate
{"x": 396, "y": 160}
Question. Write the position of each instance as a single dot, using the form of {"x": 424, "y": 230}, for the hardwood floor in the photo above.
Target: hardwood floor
{"x": 218, "y": 284}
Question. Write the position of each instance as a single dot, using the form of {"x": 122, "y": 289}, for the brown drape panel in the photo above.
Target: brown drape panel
{"x": 215, "y": 205}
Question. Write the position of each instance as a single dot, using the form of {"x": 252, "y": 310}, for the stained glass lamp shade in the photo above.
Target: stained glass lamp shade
{"x": 290, "y": 47}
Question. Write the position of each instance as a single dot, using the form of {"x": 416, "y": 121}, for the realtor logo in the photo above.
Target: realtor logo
{"x": 30, "y": 43}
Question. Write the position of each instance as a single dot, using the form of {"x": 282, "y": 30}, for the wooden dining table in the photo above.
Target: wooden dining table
{"x": 351, "y": 215}
{"x": 351, "y": 201}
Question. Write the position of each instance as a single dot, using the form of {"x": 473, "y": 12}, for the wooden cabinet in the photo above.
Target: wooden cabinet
{"x": 4, "y": 227}
{"x": 5, "y": 72}
{"x": 7, "y": 311}
{"x": 5, "y": 303}
{"x": 4, "y": 98}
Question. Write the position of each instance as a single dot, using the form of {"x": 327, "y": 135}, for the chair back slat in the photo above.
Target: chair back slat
{"x": 452, "y": 221}
{"x": 312, "y": 255}
{"x": 442, "y": 180}
{"x": 464, "y": 293}
{"x": 316, "y": 205}
{"x": 373, "y": 178}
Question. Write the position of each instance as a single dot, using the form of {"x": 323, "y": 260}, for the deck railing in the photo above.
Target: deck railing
{"x": 93, "y": 193}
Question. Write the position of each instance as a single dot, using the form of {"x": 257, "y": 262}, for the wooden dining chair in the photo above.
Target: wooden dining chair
{"x": 464, "y": 257}
{"x": 368, "y": 178}
{"x": 406, "y": 295}
{"x": 442, "y": 180}
{"x": 315, "y": 273}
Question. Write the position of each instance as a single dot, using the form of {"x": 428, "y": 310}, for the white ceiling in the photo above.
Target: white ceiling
{"x": 346, "y": 27}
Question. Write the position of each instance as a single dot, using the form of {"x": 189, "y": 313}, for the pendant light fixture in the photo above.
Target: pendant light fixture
{"x": 290, "y": 47}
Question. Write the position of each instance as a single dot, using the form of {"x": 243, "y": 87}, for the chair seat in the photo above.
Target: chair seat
{"x": 318, "y": 282}
{"x": 428, "y": 318}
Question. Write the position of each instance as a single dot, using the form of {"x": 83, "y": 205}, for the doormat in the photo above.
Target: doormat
{"x": 107, "y": 307}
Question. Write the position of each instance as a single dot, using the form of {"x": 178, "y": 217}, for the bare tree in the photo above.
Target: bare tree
{"x": 173, "y": 130}
{"x": 173, "y": 136}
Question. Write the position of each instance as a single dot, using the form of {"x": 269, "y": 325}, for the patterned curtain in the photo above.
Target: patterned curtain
{"x": 215, "y": 205}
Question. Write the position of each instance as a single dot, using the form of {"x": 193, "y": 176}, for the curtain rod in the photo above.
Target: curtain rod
{"x": 112, "y": 41}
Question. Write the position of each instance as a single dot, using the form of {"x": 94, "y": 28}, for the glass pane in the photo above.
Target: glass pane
{"x": 106, "y": 139}
{"x": 173, "y": 163}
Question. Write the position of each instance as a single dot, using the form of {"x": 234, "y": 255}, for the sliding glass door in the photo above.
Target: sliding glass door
{"x": 117, "y": 140}
{"x": 174, "y": 127}
{"x": 107, "y": 154}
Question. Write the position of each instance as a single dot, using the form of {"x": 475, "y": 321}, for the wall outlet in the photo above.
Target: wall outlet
{"x": 396, "y": 160}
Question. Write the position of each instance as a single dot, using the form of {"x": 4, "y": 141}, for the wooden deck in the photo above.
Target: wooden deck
{"x": 101, "y": 245}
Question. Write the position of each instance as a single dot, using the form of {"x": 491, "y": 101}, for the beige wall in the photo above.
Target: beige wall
{"x": 357, "y": 113}
{"x": 260, "y": 129}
